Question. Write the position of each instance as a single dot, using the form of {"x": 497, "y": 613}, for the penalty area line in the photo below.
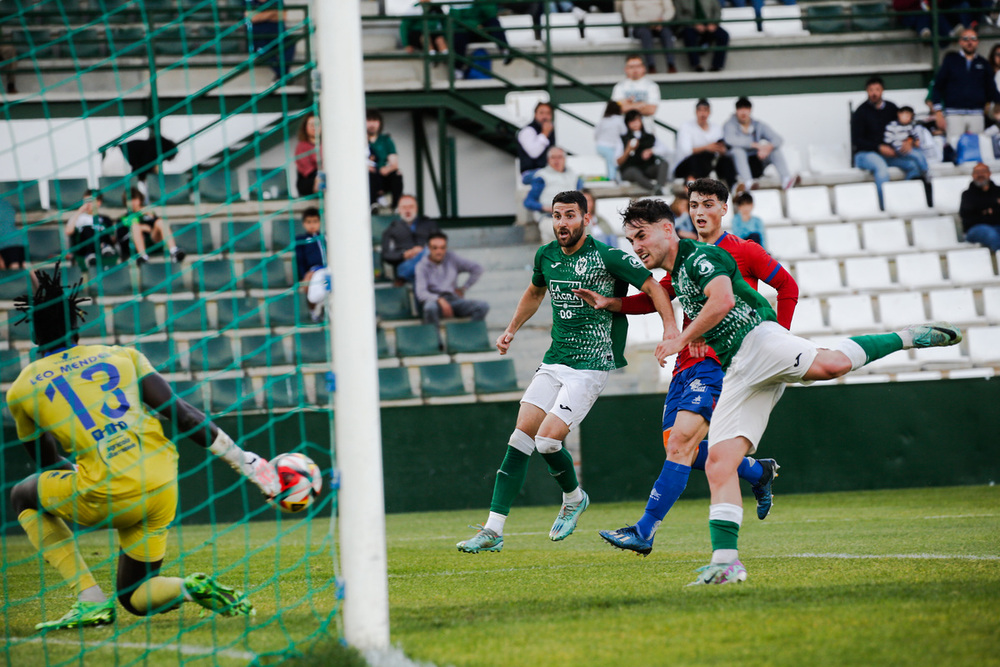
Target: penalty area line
{"x": 892, "y": 556}
{"x": 185, "y": 649}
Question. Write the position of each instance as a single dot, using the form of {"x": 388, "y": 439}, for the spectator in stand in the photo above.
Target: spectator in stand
{"x": 89, "y": 232}
{"x": 902, "y": 135}
{"x": 746, "y": 225}
{"x": 383, "y": 162}
{"x": 310, "y": 263}
{"x": 637, "y": 92}
{"x": 307, "y": 156}
{"x": 8, "y": 54}
{"x": 701, "y": 149}
{"x": 608, "y": 136}
{"x": 964, "y": 89}
{"x": 140, "y": 158}
{"x": 656, "y": 15}
{"x": 478, "y": 15}
{"x": 533, "y": 141}
{"x": 980, "y": 209}
{"x": 436, "y": 285}
{"x": 545, "y": 184}
{"x": 11, "y": 248}
{"x": 871, "y": 153}
{"x": 754, "y": 145}
{"x": 404, "y": 242}
{"x": 411, "y": 29}
{"x": 920, "y": 23}
{"x": 705, "y": 32}
{"x": 757, "y": 6}
{"x": 639, "y": 160}
{"x": 682, "y": 216}
{"x": 995, "y": 63}
{"x": 139, "y": 221}
{"x": 268, "y": 38}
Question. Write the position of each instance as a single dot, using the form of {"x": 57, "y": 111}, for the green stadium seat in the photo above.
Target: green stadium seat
{"x": 10, "y": 365}
{"x": 216, "y": 185}
{"x": 323, "y": 393}
{"x": 493, "y": 377}
{"x": 94, "y": 322}
{"x": 441, "y": 380}
{"x": 162, "y": 278}
{"x": 826, "y": 19}
{"x": 467, "y": 337}
{"x": 417, "y": 341}
{"x": 266, "y": 273}
{"x": 232, "y": 394}
{"x": 169, "y": 189}
{"x": 22, "y": 195}
{"x": 284, "y": 391}
{"x": 226, "y": 42}
{"x": 214, "y": 353}
{"x": 263, "y": 352}
{"x": 287, "y": 310}
{"x": 128, "y": 42}
{"x": 193, "y": 393}
{"x": 380, "y": 223}
{"x": 215, "y": 275}
{"x": 239, "y": 313}
{"x": 85, "y": 43}
{"x": 195, "y": 237}
{"x": 311, "y": 347}
{"x": 114, "y": 281}
{"x": 186, "y": 315}
{"x": 36, "y": 43}
{"x": 17, "y": 332}
{"x": 45, "y": 244}
{"x": 14, "y": 284}
{"x": 243, "y": 237}
{"x": 870, "y": 16}
{"x": 173, "y": 41}
{"x": 113, "y": 189}
{"x": 135, "y": 318}
{"x": 393, "y": 384}
{"x": 161, "y": 354}
{"x": 382, "y": 342}
{"x": 265, "y": 185}
{"x": 393, "y": 303}
{"x": 379, "y": 270}
{"x": 283, "y": 233}
{"x": 67, "y": 193}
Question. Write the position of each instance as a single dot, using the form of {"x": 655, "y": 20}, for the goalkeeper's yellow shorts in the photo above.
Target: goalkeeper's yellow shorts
{"x": 141, "y": 519}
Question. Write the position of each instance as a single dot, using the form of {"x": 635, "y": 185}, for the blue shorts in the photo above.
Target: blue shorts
{"x": 695, "y": 389}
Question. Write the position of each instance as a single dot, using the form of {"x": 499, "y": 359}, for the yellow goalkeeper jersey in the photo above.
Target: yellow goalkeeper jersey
{"x": 88, "y": 397}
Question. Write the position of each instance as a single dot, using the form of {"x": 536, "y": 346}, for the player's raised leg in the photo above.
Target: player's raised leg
{"x": 549, "y": 443}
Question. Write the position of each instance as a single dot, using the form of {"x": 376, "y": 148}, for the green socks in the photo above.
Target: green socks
{"x": 724, "y": 534}
{"x": 510, "y": 478}
{"x": 561, "y": 468}
{"x": 877, "y": 346}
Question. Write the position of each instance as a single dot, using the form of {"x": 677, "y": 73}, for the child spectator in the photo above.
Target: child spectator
{"x": 139, "y": 222}
{"x": 902, "y": 130}
{"x": 608, "y": 136}
{"x": 11, "y": 245}
{"x": 383, "y": 162}
{"x": 682, "y": 218}
{"x": 746, "y": 225}
{"x": 310, "y": 262}
{"x": 89, "y": 232}
{"x": 307, "y": 155}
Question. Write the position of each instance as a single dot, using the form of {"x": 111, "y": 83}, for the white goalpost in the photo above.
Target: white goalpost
{"x": 352, "y": 324}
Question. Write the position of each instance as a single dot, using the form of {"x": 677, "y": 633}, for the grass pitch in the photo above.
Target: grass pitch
{"x": 874, "y": 578}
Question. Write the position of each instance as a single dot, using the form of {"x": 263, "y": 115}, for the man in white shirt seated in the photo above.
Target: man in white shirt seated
{"x": 534, "y": 140}
{"x": 701, "y": 149}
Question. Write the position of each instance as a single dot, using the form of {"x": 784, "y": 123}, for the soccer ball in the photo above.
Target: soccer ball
{"x": 300, "y": 479}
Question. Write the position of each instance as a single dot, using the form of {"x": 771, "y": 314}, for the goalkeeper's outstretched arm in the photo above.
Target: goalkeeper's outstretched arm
{"x": 193, "y": 423}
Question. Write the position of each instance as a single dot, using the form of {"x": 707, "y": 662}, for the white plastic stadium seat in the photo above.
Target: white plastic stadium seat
{"x": 921, "y": 269}
{"x": 933, "y": 358}
{"x": 986, "y": 152}
{"x": 401, "y": 8}
{"x": 565, "y": 28}
{"x": 991, "y": 304}
{"x": 587, "y": 166}
{"x": 610, "y": 209}
{"x": 957, "y": 306}
{"x": 970, "y": 266}
{"x": 604, "y": 29}
{"x": 868, "y": 273}
{"x": 905, "y": 199}
{"x": 984, "y": 344}
{"x": 833, "y": 161}
{"x": 882, "y": 237}
{"x": 818, "y": 276}
{"x": 948, "y": 192}
{"x": 519, "y": 29}
{"x": 838, "y": 240}
{"x": 740, "y": 22}
{"x": 808, "y": 318}
{"x": 899, "y": 310}
{"x": 782, "y": 20}
{"x": 520, "y": 104}
{"x": 936, "y": 233}
{"x": 851, "y": 313}
{"x": 767, "y": 207}
{"x": 789, "y": 243}
{"x": 809, "y": 205}
{"x": 857, "y": 201}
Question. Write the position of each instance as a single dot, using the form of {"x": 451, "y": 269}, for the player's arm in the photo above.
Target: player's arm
{"x": 44, "y": 451}
{"x": 526, "y": 307}
{"x": 766, "y": 268}
{"x": 720, "y": 301}
{"x": 193, "y": 423}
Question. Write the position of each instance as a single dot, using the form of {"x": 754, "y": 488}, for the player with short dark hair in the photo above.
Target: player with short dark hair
{"x": 92, "y": 400}
{"x": 697, "y": 378}
{"x": 759, "y": 357}
{"x": 587, "y": 345}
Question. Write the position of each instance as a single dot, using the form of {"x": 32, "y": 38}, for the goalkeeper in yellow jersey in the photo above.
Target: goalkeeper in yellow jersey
{"x": 97, "y": 402}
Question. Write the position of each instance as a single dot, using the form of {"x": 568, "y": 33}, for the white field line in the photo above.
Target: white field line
{"x": 186, "y": 649}
{"x": 896, "y": 556}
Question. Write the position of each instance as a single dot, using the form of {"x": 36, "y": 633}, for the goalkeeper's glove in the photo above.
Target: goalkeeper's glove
{"x": 258, "y": 470}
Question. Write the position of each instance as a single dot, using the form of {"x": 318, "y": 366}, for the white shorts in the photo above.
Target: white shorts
{"x": 769, "y": 357}
{"x": 566, "y": 392}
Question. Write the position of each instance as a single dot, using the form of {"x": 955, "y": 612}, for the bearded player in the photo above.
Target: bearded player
{"x": 94, "y": 402}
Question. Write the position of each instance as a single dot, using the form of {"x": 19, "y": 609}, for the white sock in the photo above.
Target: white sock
{"x": 725, "y": 555}
{"x": 854, "y": 352}
{"x": 496, "y": 522}
{"x": 573, "y": 497}
{"x": 92, "y": 594}
{"x": 907, "y": 337}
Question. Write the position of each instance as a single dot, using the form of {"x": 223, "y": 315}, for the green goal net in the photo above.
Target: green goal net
{"x": 150, "y": 147}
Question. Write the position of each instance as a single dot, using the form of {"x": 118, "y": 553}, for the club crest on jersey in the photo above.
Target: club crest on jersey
{"x": 634, "y": 261}
{"x": 562, "y": 293}
{"x": 703, "y": 266}
{"x": 581, "y": 266}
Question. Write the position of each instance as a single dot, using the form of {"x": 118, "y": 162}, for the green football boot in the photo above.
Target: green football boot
{"x": 83, "y": 615}
{"x": 213, "y": 596}
{"x": 484, "y": 540}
